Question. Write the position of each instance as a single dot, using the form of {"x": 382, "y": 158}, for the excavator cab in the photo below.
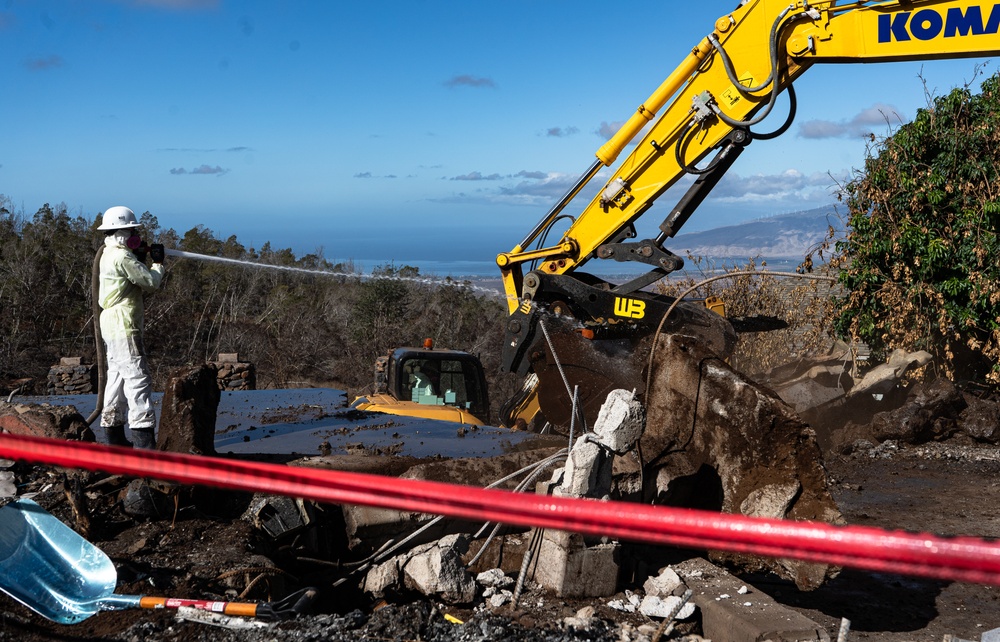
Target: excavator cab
{"x": 447, "y": 385}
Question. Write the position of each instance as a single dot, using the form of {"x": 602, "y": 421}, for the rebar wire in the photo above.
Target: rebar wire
{"x": 562, "y": 373}
{"x": 388, "y": 550}
{"x": 533, "y": 468}
{"x": 535, "y": 474}
{"x": 667, "y": 626}
{"x": 659, "y": 328}
{"x": 572, "y": 417}
{"x": 529, "y": 554}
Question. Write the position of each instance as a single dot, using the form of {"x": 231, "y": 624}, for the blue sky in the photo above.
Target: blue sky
{"x": 385, "y": 129}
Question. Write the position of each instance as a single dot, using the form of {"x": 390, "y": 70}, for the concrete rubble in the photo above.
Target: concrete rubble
{"x": 708, "y": 437}
{"x": 434, "y": 570}
{"x": 718, "y": 441}
{"x": 828, "y": 390}
{"x": 44, "y": 420}
{"x": 570, "y": 564}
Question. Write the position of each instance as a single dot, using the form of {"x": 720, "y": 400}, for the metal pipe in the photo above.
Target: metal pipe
{"x": 558, "y": 207}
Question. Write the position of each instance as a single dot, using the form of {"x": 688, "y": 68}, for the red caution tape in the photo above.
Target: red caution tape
{"x": 965, "y": 559}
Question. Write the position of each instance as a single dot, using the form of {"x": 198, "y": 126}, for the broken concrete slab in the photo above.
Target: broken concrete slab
{"x": 663, "y": 584}
{"x": 8, "y": 484}
{"x": 814, "y": 379}
{"x": 434, "y": 570}
{"x": 494, "y": 578}
{"x": 771, "y": 501}
{"x": 747, "y": 616}
{"x": 885, "y": 377}
{"x": 620, "y": 422}
{"x": 663, "y": 607}
{"x": 728, "y": 437}
{"x": 993, "y": 635}
{"x": 587, "y": 472}
{"x": 573, "y": 565}
{"x": 44, "y": 420}
{"x": 831, "y": 390}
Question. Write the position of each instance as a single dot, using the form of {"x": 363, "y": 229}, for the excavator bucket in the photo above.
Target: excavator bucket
{"x": 716, "y": 440}
{"x": 713, "y": 439}
{"x": 567, "y": 363}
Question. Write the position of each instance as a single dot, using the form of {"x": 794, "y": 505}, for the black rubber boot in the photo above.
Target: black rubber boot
{"x": 144, "y": 438}
{"x": 115, "y": 436}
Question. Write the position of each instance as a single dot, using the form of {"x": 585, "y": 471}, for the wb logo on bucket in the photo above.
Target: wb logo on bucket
{"x": 630, "y": 308}
{"x": 928, "y": 24}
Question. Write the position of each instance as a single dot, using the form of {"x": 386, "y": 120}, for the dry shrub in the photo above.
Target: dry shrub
{"x": 749, "y": 291}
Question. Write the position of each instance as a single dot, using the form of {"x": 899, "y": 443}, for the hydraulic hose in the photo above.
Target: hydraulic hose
{"x": 101, "y": 356}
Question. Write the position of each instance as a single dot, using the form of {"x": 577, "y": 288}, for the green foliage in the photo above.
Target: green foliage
{"x": 920, "y": 264}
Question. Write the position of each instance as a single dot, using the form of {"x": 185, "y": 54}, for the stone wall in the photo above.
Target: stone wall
{"x": 71, "y": 377}
{"x": 234, "y": 374}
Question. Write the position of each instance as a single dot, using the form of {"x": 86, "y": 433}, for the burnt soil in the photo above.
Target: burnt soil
{"x": 210, "y": 553}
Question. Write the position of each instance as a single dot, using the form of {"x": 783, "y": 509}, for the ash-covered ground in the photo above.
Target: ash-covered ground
{"x": 946, "y": 484}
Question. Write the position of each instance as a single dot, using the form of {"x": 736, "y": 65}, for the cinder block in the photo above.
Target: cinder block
{"x": 568, "y": 567}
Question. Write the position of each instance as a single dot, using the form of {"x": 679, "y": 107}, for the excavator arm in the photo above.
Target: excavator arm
{"x": 696, "y": 124}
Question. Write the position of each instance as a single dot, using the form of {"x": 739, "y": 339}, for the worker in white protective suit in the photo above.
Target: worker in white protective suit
{"x": 124, "y": 280}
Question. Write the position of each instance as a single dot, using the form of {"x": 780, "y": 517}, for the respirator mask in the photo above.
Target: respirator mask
{"x": 131, "y": 240}
{"x": 134, "y": 242}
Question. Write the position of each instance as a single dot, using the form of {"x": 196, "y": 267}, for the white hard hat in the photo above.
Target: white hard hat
{"x": 118, "y": 218}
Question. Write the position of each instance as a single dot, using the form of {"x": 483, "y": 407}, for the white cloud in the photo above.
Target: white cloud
{"x": 788, "y": 187}
{"x": 560, "y": 132}
{"x": 466, "y": 80}
{"x": 44, "y": 64}
{"x": 201, "y": 169}
{"x": 878, "y": 117}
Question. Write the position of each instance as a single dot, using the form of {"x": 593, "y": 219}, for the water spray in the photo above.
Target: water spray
{"x": 221, "y": 259}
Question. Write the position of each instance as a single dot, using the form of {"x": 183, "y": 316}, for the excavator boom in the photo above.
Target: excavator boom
{"x": 696, "y": 124}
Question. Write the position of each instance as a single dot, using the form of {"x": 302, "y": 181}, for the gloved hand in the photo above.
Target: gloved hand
{"x": 140, "y": 252}
{"x": 157, "y": 252}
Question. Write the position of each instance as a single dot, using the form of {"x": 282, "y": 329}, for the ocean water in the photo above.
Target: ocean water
{"x": 488, "y": 270}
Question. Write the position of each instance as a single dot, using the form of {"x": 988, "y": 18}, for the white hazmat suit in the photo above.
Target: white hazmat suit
{"x": 124, "y": 281}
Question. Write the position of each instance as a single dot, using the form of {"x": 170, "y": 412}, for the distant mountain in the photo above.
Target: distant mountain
{"x": 782, "y": 236}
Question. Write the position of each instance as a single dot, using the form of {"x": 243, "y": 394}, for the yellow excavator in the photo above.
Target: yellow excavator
{"x": 582, "y": 336}
{"x": 429, "y": 383}
{"x": 575, "y": 336}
